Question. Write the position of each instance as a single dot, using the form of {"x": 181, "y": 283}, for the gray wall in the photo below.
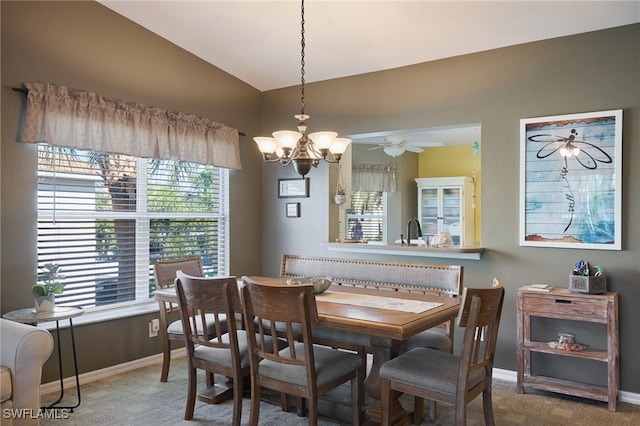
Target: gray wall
{"x": 588, "y": 72}
{"x": 86, "y": 46}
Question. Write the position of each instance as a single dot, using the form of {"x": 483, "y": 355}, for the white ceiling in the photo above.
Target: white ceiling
{"x": 259, "y": 41}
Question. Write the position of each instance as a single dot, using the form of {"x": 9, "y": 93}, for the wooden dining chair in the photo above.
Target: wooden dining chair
{"x": 448, "y": 378}
{"x": 170, "y": 323}
{"x": 210, "y": 301}
{"x": 302, "y": 369}
{"x": 440, "y": 337}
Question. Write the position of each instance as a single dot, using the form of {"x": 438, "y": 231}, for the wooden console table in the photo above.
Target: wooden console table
{"x": 565, "y": 305}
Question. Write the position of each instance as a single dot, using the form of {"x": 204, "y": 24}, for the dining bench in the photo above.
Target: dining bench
{"x": 434, "y": 279}
{"x": 399, "y": 276}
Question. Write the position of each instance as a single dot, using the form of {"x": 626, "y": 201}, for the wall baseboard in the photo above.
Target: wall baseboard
{"x": 510, "y": 376}
{"x": 92, "y": 376}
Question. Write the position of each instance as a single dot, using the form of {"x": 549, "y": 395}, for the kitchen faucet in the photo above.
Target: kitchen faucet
{"x": 419, "y": 230}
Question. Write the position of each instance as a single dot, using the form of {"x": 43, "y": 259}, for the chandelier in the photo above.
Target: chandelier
{"x": 298, "y": 148}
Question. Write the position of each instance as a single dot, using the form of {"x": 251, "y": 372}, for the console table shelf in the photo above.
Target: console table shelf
{"x": 543, "y": 347}
{"x": 562, "y": 304}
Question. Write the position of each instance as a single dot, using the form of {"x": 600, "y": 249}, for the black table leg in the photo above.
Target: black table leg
{"x": 75, "y": 365}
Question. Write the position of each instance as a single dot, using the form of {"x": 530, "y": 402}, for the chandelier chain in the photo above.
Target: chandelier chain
{"x": 297, "y": 148}
{"x": 302, "y": 45}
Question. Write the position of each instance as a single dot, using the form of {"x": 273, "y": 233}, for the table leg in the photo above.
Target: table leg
{"x": 216, "y": 393}
{"x": 383, "y": 350}
{"x": 75, "y": 365}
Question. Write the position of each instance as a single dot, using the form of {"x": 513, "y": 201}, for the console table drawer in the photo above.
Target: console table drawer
{"x": 559, "y": 306}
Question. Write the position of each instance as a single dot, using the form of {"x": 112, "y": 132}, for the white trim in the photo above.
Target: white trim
{"x": 92, "y": 376}
{"x": 506, "y": 375}
{"x": 91, "y": 316}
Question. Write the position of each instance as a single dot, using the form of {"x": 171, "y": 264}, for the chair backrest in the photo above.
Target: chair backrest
{"x": 479, "y": 314}
{"x": 283, "y": 311}
{"x": 165, "y": 269}
{"x": 198, "y": 296}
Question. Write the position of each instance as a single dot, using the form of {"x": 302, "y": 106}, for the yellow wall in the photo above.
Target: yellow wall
{"x": 454, "y": 161}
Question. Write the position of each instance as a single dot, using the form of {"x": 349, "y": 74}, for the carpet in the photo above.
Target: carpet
{"x": 139, "y": 398}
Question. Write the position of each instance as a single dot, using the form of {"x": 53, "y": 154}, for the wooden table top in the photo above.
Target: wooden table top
{"x": 374, "y": 321}
{"x": 394, "y": 324}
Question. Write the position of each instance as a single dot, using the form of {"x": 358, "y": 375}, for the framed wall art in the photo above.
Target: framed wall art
{"x": 293, "y": 188}
{"x": 293, "y": 209}
{"x": 570, "y": 181}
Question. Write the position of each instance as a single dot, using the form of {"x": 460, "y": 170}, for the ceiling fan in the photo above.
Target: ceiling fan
{"x": 395, "y": 145}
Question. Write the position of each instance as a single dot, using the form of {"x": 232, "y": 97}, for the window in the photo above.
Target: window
{"x": 366, "y": 218}
{"x": 104, "y": 218}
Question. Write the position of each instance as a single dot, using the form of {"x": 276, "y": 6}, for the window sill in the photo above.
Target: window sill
{"x": 95, "y": 315}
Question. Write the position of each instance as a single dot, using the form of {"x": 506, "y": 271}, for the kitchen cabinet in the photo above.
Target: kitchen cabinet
{"x": 446, "y": 205}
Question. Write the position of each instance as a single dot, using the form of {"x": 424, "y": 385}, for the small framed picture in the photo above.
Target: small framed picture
{"x": 293, "y": 209}
{"x": 293, "y": 188}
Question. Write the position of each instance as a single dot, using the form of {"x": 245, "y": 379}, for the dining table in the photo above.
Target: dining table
{"x": 388, "y": 317}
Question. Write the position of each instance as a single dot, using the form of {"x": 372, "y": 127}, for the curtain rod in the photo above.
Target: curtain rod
{"x": 24, "y": 90}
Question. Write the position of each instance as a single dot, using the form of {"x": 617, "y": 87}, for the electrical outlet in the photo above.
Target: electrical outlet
{"x": 154, "y": 327}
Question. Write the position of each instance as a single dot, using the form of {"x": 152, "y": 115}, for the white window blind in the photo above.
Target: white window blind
{"x": 366, "y": 218}
{"x": 104, "y": 218}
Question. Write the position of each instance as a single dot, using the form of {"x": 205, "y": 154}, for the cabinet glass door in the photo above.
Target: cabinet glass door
{"x": 452, "y": 213}
{"x": 429, "y": 219}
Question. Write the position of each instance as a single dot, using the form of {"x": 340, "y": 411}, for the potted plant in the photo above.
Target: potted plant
{"x": 47, "y": 287}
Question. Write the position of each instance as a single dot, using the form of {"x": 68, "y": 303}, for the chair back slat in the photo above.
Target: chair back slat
{"x": 480, "y": 313}
{"x": 198, "y": 296}
{"x": 286, "y": 309}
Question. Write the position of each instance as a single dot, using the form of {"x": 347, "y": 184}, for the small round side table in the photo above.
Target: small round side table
{"x": 29, "y": 316}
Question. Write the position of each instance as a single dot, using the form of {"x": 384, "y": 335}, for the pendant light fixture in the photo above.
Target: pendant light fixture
{"x": 298, "y": 148}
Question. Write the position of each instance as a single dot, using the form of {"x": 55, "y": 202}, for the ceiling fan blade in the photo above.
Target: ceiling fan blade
{"x": 413, "y": 148}
{"x": 375, "y": 147}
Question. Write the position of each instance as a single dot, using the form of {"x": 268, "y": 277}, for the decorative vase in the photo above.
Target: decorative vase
{"x": 45, "y": 304}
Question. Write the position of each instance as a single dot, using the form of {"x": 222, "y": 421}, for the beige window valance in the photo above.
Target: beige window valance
{"x": 65, "y": 117}
{"x": 373, "y": 177}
